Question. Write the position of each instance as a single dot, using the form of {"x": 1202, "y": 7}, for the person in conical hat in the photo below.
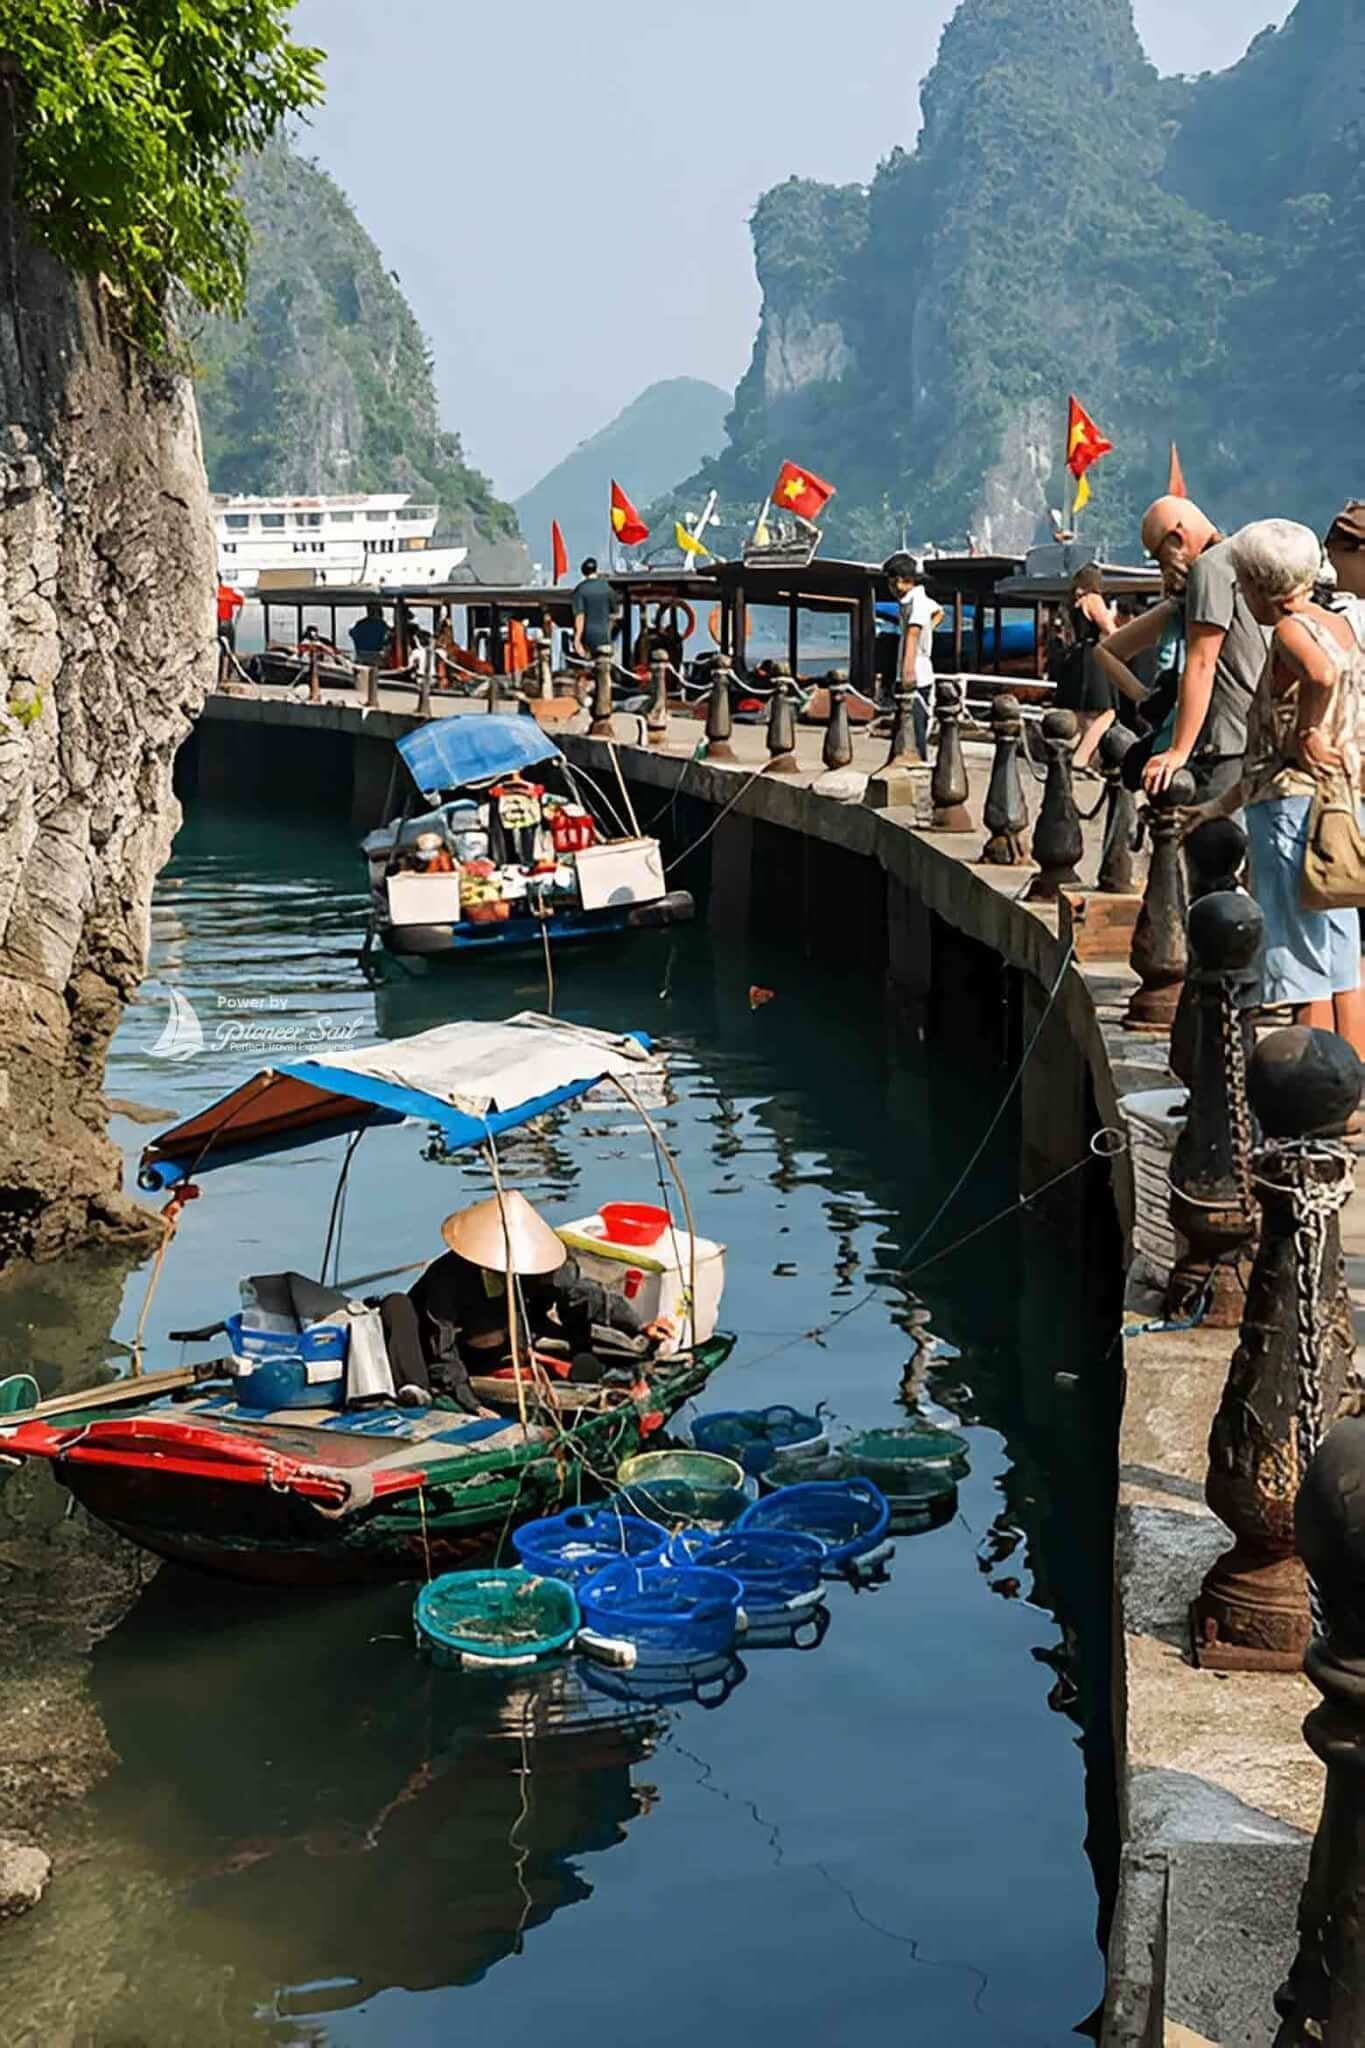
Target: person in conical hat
{"x": 454, "y": 1320}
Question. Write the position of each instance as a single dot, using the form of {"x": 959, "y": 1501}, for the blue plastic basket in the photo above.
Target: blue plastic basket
{"x": 581, "y": 1541}
{"x": 663, "y": 1611}
{"x": 465, "y": 1620}
{"x": 754, "y": 1436}
{"x": 849, "y": 1516}
{"x": 779, "y": 1571}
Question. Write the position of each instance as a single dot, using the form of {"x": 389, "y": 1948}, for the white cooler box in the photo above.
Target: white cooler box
{"x": 655, "y": 1278}
{"x": 631, "y": 871}
{"x": 424, "y": 899}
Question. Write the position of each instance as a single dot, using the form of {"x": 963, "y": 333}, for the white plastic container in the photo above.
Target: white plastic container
{"x": 630, "y": 871}
{"x": 1154, "y": 1119}
{"x": 424, "y": 899}
{"x": 655, "y": 1279}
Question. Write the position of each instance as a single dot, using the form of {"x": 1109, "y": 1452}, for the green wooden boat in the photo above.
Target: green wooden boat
{"x": 325, "y": 1494}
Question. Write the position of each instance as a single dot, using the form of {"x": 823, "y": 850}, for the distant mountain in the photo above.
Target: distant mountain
{"x": 1184, "y": 254}
{"x": 667, "y": 432}
{"x": 326, "y": 384}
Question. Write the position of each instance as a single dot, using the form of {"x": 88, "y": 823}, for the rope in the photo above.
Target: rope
{"x": 719, "y": 818}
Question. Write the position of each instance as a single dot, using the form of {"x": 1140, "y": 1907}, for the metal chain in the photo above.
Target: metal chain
{"x": 1238, "y": 1108}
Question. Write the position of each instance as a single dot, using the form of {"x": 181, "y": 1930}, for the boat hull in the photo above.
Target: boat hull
{"x": 269, "y": 1535}
{"x": 522, "y": 935}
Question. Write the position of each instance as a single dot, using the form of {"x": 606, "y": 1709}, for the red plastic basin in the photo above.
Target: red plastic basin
{"x": 633, "y": 1222}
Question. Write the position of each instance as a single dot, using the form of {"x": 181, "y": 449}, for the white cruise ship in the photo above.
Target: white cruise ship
{"x": 377, "y": 539}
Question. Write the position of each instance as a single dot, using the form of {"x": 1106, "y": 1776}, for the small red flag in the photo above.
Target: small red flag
{"x": 1175, "y": 481}
{"x": 558, "y": 551}
{"x": 1084, "y": 441}
{"x": 796, "y": 490}
{"x": 626, "y": 523}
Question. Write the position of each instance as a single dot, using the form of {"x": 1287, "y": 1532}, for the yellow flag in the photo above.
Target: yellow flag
{"x": 688, "y": 542}
{"x": 1082, "y": 495}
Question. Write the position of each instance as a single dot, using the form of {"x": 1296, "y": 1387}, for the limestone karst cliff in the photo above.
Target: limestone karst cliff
{"x": 1169, "y": 248}
{"x": 106, "y": 650}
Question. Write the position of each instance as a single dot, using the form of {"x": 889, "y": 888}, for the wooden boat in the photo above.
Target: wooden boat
{"x": 194, "y": 1468}
{"x": 571, "y": 874}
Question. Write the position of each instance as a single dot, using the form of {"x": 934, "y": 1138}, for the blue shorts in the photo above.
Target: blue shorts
{"x": 1310, "y": 955}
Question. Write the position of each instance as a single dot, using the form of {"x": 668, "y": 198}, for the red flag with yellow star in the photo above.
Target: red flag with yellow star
{"x": 1084, "y": 444}
{"x": 801, "y": 492}
{"x": 626, "y": 523}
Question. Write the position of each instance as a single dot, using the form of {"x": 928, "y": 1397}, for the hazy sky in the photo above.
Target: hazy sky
{"x": 564, "y": 191}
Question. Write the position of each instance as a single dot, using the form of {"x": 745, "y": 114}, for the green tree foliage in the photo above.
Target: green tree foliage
{"x": 132, "y": 116}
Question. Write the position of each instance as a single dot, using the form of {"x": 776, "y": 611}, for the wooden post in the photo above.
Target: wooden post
{"x": 1293, "y": 1364}
{"x": 656, "y": 720}
{"x": 949, "y": 787}
{"x": 1322, "y": 2005}
{"x": 957, "y": 630}
{"x": 428, "y": 678}
{"x": 314, "y": 686}
{"x": 863, "y": 643}
{"x": 782, "y": 727}
{"x": 601, "y": 727}
{"x": 718, "y": 721}
{"x": 794, "y": 633}
{"x": 837, "y": 751}
{"x": 545, "y": 678}
{"x": 1057, "y": 841}
{"x": 372, "y": 684}
{"x": 1158, "y": 951}
{"x": 1006, "y": 812}
{"x": 1212, "y": 1206}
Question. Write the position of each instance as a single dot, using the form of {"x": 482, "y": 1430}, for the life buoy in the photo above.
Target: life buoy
{"x": 671, "y": 611}
{"x": 713, "y": 625}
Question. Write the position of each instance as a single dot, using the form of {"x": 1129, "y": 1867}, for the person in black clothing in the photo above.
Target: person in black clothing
{"x": 454, "y": 1320}
{"x": 1082, "y": 685}
{"x": 592, "y": 612}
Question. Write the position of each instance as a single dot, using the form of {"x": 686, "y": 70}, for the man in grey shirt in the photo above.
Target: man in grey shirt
{"x": 1225, "y": 650}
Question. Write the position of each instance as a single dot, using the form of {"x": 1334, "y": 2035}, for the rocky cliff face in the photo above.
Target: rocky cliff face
{"x": 106, "y": 651}
{"x": 326, "y": 384}
{"x": 1068, "y": 221}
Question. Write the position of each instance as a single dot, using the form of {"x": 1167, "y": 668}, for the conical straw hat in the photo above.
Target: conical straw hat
{"x": 477, "y": 1235}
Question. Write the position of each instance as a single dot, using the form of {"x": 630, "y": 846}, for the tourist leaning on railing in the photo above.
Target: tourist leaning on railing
{"x": 1303, "y": 725}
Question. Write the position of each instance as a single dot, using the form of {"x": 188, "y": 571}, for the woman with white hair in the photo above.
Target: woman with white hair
{"x": 1303, "y": 724}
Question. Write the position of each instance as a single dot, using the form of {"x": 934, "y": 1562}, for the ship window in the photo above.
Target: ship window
{"x": 341, "y": 518}
{"x": 379, "y": 518}
{"x": 413, "y": 512}
{"x": 237, "y": 522}
{"x": 310, "y": 519}
{"x": 272, "y": 522}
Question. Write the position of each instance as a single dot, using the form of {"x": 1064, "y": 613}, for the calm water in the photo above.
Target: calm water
{"x": 310, "y": 1838}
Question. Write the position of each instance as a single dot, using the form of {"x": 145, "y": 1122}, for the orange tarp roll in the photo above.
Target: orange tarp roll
{"x": 518, "y": 649}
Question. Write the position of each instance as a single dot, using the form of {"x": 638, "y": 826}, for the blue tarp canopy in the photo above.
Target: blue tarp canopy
{"x": 446, "y": 753}
{"x": 472, "y": 1081}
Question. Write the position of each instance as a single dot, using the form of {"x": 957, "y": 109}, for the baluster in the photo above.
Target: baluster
{"x": 905, "y": 751}
{"x": 1158, "y": 950}
{"x": 718, "y": 722}
{"x": 1057, "y": 842}
{"x": 837, "y": 751}
{"x": 1212, "y": 1205}
{"x": 782, "y": 726}
{"x": 1120, "y": 815}
{"x": 1322, "y": 2004}
{"x": 601, "y": 727}
{"x": 949, "y": 786}
{"x": 1294, "y": 1358}
{"x": 1006, "y": 813}
{"x": 656, "y": 718}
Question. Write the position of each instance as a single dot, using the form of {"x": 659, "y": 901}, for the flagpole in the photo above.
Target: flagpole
{"x": 698, "y": 530}
{"x": 762, "y": 518}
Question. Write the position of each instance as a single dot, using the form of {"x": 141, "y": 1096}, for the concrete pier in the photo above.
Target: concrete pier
{"x": 1218, "y": 1795}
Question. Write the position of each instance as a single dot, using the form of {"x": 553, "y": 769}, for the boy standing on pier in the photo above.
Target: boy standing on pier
{"x": 919, "y": 616}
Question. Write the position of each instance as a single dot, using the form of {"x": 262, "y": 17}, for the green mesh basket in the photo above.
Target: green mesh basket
{"x": 899, "y": 1457}
{"x": 465, "y": 1620}
{"x": 675, "y": 1487}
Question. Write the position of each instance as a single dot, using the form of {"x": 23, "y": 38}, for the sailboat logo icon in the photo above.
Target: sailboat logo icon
{"x": 182, "y": 1035}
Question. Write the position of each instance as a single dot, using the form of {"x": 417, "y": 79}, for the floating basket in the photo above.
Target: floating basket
{"x": 574, "y": 1545}
{"x": 660, "y": 1613}
{"x": 779, "y": 1571}
{"x": 755, "y": 1436}
{"x": 800, "y": 1468}
{"x": 891, "y": 1456}
{"x": 850, "y": 1517}
{"x": 494, "y": 1619}
{"x": 675, "y": 1487}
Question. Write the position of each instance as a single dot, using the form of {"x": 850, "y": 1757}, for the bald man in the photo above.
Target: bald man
{"x": 1225, "y": 650}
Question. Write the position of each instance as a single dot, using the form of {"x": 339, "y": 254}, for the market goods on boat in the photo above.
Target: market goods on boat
{"x": 505, "y": 848}
{"x": 289, "y": 1456}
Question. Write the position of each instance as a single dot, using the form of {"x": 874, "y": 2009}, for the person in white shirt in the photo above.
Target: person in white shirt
{"x": 1345, "y": 548}
{"x": 919, "y": 617}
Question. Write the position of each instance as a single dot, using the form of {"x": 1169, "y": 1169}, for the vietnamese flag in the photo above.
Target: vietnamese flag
{"x": 798, "y": 491}
{"x": 558, "y": 552}
{"x": 1084, "y": 444}
{"x": 626, "y": 523}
